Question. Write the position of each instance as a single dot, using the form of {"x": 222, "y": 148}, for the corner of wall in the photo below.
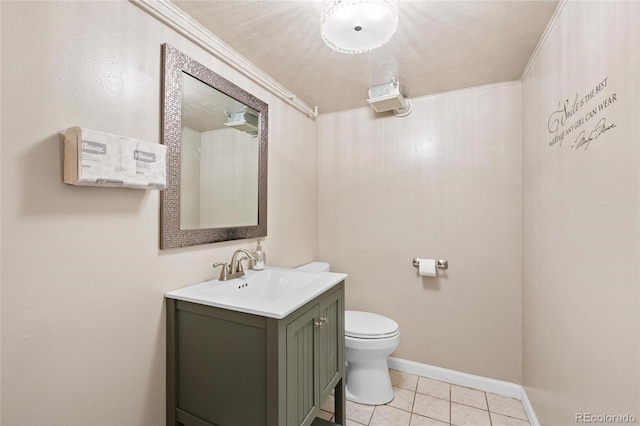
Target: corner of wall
{"x": 543, "y": 39}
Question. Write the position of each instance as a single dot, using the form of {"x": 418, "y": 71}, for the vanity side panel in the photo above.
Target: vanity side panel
{"x": 302, "y": 375}
{"x": 221, "y": 365}
{"x": 276, "y": 372}
{"x": 330, "y": 339}
{"x": 340, "y": 406}
{"x": 331, "y": 351}
{"x": 171, "y": 379}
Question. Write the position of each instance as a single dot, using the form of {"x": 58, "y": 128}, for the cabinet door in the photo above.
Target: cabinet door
{"x": 302, "y": 377}
{"x": 330, "y": 343}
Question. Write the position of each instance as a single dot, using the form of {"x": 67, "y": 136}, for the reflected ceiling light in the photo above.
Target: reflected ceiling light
{"x": 357, "y": 26}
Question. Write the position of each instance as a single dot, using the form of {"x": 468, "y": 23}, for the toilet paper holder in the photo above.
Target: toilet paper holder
{"x": 440, "y": 263}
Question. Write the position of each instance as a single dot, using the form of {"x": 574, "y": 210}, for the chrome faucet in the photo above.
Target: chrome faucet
{"x": 234, "y": 269}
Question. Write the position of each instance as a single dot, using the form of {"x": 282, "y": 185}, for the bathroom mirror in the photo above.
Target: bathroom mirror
{"x": 216, "y": 138}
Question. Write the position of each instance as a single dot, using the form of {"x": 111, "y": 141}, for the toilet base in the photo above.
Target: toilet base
{"x": 369, "y": 382}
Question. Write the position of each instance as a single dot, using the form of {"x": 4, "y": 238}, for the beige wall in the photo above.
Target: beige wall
{"x": 82, "y": 275}
{"x": 443, "y": 182}
{"x": 82, "y": 312}
{"x": 581, "y": 217}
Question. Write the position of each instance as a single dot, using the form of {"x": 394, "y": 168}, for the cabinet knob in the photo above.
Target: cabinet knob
{"x": 321, "y": 323}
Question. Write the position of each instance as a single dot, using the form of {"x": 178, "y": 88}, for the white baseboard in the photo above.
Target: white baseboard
{"x": 468, "y": 380}
{"x": 528, "y": 408}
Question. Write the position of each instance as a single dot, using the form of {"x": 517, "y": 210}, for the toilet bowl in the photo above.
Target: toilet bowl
{"x": 369, "y": 340}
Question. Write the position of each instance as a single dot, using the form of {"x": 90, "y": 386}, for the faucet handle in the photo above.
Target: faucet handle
{"x": 224, "y": 272}
{"x": 239, "y": 267}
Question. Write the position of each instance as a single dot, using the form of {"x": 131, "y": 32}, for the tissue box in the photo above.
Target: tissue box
{"x": 97, "y": 158}
{"x": 145, "y": 164}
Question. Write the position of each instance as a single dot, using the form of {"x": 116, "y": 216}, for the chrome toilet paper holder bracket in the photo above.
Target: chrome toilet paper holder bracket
{"x": 440, "y": 263}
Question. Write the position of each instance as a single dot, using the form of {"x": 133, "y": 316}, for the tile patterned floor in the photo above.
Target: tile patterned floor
{"x": 420, "y": 401}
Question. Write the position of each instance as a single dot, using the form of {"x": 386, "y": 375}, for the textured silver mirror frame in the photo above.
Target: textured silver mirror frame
{"x": 171, "y": 236}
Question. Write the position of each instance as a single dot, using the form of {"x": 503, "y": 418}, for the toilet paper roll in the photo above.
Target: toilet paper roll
{"x": 427, "y": 267}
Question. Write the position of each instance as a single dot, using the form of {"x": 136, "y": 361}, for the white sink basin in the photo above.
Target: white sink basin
{"x": 273, "y": 292}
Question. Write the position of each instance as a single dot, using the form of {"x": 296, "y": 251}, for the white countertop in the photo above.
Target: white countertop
{"x": 273, "y": 292}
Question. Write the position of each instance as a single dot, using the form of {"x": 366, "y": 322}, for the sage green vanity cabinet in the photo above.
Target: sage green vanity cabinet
{"x": 228, "y": 368}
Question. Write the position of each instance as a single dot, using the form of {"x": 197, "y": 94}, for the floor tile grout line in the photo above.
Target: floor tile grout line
{"x": 450, "y": 406}
{"x": 413, "y": 403}
{"x": 486, "y": 399}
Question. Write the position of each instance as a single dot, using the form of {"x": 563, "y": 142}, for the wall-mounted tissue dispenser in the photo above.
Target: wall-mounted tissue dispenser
{"x": 97, "y": 158}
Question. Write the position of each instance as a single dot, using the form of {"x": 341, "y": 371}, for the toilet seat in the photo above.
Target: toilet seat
{"x": 367, "y": 325}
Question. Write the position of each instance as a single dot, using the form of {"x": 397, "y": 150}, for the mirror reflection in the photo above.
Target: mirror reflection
{"x": 216, "y": 135}
{"x": 219, "y": 169}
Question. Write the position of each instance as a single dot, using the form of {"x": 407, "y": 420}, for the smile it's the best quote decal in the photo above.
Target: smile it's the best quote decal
{"x": 579, "y": 121}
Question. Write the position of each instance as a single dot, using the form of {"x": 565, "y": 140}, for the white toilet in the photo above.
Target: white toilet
{"x": 369, "y": 340}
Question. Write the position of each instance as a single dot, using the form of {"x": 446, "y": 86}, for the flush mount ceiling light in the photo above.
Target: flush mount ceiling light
{"x": 357, "y": 26}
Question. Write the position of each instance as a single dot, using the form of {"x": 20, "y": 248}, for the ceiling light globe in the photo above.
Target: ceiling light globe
{"x": 357, "y": 26}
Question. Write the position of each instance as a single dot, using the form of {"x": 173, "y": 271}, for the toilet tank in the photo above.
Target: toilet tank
{"x": 314, "y": 267}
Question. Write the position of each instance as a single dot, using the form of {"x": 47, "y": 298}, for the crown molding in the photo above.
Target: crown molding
{"x": 543, "y": 39}
{"x": 172, "y": 16}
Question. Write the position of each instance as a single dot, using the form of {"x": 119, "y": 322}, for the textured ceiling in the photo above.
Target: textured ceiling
{"x": 439, "y": 46}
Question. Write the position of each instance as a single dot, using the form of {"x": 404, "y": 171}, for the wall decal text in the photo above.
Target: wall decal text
{"x": 580, "y": 114}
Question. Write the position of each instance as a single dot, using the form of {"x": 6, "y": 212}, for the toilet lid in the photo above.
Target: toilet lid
{"x": 366, "y": 325}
